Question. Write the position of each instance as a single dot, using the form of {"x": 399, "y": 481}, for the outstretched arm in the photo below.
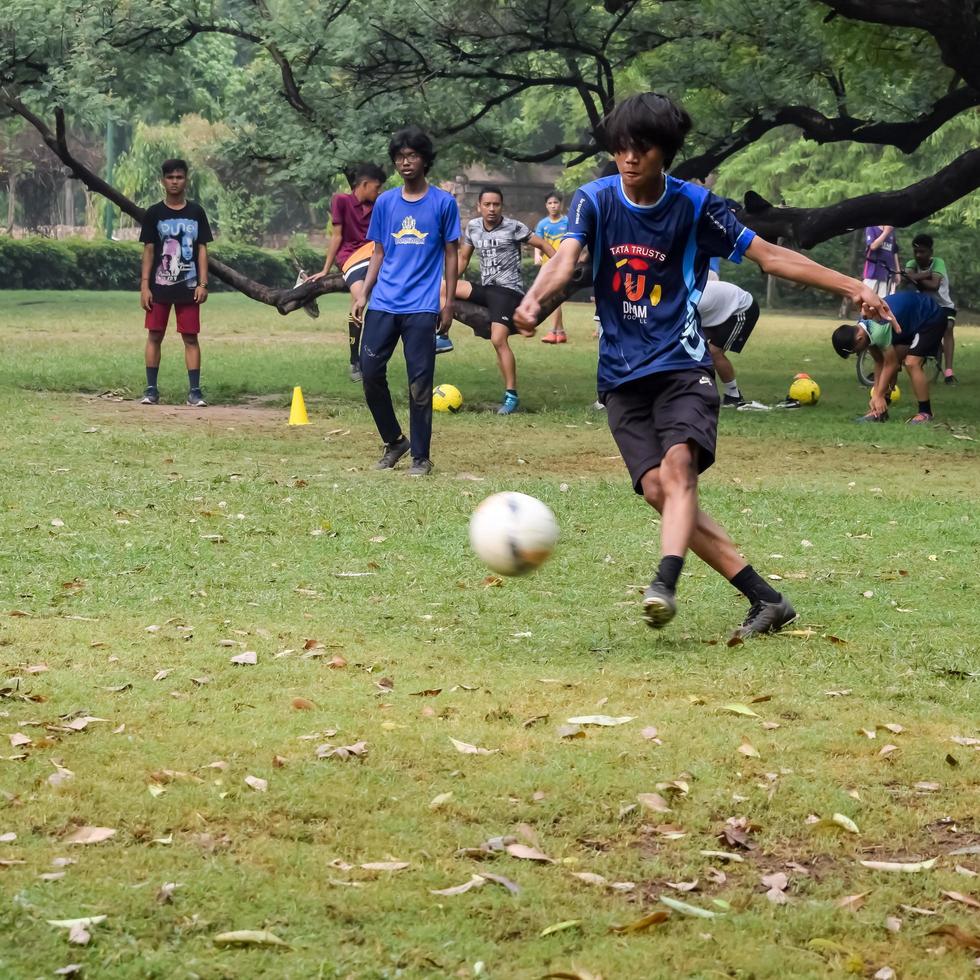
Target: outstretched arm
{"x": 775, "y": 260}
{"x": 555, "y": 275}
{"x": 540, "y": 245}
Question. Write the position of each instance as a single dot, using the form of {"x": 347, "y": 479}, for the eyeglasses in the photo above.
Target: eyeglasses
{"x": 407, "y": 157}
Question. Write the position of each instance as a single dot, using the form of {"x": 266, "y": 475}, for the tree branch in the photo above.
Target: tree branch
{"x": 806, "y": 227}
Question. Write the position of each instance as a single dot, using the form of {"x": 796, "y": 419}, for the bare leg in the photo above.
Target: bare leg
{"x": 192, "y": 351}
{"x": 154, "y": 338}
{"x": 500, "y": 337}
{"x": 949, "y": 345}
{"x": 723, "y": 367}
{"x": 917, "y": 377}
{"x": 558, "y": 324}
{"x": 706, "y": 538}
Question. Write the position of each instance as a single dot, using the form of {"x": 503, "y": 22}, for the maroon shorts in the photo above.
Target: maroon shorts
{"x": 188, "y": 317}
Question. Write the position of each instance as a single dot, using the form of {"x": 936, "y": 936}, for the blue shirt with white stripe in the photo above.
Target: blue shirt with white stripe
{"x": 649, "y": 265}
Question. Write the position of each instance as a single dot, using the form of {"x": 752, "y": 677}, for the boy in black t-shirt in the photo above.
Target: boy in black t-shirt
{"x": 175, "y": 236}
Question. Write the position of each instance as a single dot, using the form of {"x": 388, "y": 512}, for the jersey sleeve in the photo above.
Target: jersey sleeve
{"x": 939, "y": 267}
{"x": 204, "y": 229}
{"x": 521, "y": 231}
{"x": 582, "y": 219}
{"x": 337, "y": 211}
{"x": 880, "y": 333}
{"x": 379, "y": 212}
{"x": 450, "y": 220}
{"x": 539, "y": 228}
{"x": 467, "y": 237}
{"x": 720, "y": 233}
{"x": 148, "y": 231}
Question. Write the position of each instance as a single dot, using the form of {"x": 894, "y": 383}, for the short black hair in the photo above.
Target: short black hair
{"x": 844, "y": 339}
{"x": 413, "y": 138}
{"x": 368, "y": 171}
{"x": 922, "y": 239}
{"x": 609, "y": 170}
{"x": 644, "y": 121}
{"x": 556, "y": 196}
{"x": 490, "y": 189}
{"x": 172, "y": 165}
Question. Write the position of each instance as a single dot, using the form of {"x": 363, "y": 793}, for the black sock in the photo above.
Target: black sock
{"x": 354, "y": 332}
{"x": 194, "y": 379}
{"x": 669, "y": 571}
{"x": 512, "y": 391}
{"x": 926, "y": 407}
{"x": 751, "y": 584}
{"x": 151, "y": 376}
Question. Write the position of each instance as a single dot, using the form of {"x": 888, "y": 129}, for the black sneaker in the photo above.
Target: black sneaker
{"x": 150, "y": 397}
{"x": 393, "y": 452}
{"x": 732, "y": 401}
{"x": 196, "y": 399}
{"x": 766, "y": 617}
{"x": 659, "y": 605}
{"x": 355, "y": 373}
{"x": 420, "y": 467}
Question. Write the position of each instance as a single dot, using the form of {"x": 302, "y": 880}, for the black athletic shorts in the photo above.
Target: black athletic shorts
{"x": 500, "y": 301}
{"x": 653, "y": 413}
{"x": 928, "y": 338}
{"x": 950, "y": 312}
{"x": 735, "y": 331}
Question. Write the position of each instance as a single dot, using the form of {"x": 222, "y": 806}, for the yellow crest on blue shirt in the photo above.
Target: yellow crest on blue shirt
{"x": 408, "y": 230}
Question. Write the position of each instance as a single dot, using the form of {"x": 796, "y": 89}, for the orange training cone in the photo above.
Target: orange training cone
{"x": 297, "y": 411}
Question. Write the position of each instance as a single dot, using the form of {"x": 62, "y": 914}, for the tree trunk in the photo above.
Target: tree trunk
{"x": 11, "y": 201}
{"x": 69, "y": 202}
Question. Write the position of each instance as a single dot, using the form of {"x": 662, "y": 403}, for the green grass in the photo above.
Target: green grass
{"x": 229, "y": 531}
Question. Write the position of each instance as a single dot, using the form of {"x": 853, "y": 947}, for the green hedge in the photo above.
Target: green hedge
{"x": 74, "y": 263}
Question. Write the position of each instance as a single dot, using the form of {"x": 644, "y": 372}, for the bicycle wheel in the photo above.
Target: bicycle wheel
{"x": 865, "y": 369}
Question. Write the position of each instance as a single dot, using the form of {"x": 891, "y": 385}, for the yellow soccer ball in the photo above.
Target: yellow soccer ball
{"x": 895, "y": 395}
{"x": 805, "y": 390}
{"x": 447, "y": 398}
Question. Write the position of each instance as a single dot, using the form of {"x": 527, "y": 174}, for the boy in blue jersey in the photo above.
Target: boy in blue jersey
{"x": 552, "y": 228}
{"x": 921, "y": 328}
{"x": 650, "y": 237}
{"x": 415, "y": 230}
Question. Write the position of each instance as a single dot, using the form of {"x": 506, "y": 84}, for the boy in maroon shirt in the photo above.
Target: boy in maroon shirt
{"x": 350, "y": 215}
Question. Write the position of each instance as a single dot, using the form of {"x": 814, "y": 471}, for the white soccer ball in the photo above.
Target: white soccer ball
{"x": 513, "y": 533}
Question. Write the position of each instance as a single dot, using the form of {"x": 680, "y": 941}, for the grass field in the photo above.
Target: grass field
{"x": 141, "y": 549}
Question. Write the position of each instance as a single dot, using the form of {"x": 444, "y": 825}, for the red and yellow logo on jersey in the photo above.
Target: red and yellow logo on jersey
{"x": 633, "y": 276}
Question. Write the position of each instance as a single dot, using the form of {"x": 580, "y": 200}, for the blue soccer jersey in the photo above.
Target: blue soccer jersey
{"x": 649, "y": 267}
{"x": 914, "y": 311}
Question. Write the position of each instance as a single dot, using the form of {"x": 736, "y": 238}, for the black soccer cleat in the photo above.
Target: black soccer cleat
{"x": 766, "y": 617}
{"x": 732, "y": 401}
{"x": 393, "y": 452}
{"x": 659, "y": 605}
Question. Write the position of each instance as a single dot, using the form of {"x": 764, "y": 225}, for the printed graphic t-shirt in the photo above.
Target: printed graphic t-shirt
{"x": 413, "y": 235}
{"x": 650, "y": 265}
{"x": 499, "y": 250}
{"x": 352, "y": 217}
{"x": 551, "y": 231}
{"x": 175, "y": 235}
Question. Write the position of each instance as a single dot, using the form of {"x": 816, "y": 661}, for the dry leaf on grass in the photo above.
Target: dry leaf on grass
{"x": 893, "y": 923}
{"x": 738, "y": 709}
{"x": 650, "y": 734}
{"x": 683, "y": 886}
{"x": 852, "y": 902}
{"x": 654, "y": 802}
{"x": 441, "y": 800}
{"x": 165, "y": 893}
{"x": 652, "y": 919}
{"x": 328, "y": 751}
{"x": 386, "y": 865}
{"x": 907, "y": 866}
{"x": 684, "y": 909}
{"x": 776, "y": 885}
{"x": 90, "y": 835}
{"x": 591, "y": 878}
{"x": 964, "y": 899}
{"x": 511, "y": 886}
{"x": 560, "y": 927}
{"x": 258, "y": 784}
{"x": 571, "y": 731}
{"x": 466, "y": 749}
{"x": 603, "y": 721}
{"x": 723, "y": 856}
{"x": 476, "y": 881}
{"x": 748, "y": 749}
{"x": 526, "y": 853}
{"x": 837, "y": 821}
{"x": 248, "y": 937}
{"x": 249, "y": 658}
{"x": 303, "y": 704}
{"x": 960, "y": 937}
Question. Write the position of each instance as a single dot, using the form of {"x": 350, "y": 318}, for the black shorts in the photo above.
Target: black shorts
{"x": 929, "y": 337}
{"x": 649, "y": 415}
{"x": 950, "y": 312}
{"x": 500, "y": 301}
{"x": 735, "y": 331}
